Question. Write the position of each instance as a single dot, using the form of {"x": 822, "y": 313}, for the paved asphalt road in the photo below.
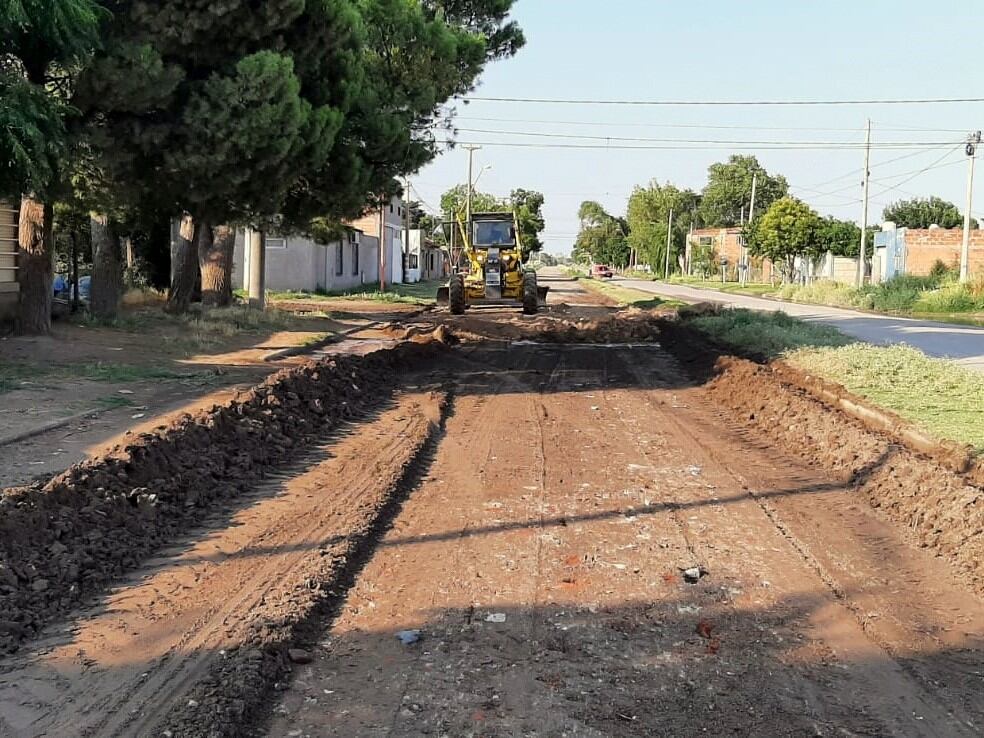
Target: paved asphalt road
{"x": 965, "y": 344}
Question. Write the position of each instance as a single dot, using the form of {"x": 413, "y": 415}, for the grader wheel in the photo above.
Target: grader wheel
{"x": 456, "y": 294}
{"x": 530, "y": 295}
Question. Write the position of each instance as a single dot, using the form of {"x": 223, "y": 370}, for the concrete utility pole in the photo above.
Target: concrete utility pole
{"x": 744, "y": 245}
{"x": 256, "y": 245}
{"x": 382, "y": 247}
{"x": 972, "y": 141}
{"x": 406, "y": 231}
{"x": 468, "y": 196}
{"x": 864, "y": 203}
{"x": 669, "y": 241}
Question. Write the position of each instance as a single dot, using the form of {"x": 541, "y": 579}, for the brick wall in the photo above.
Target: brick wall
{"x": 924, "y": 247}
{"x": 727, "y": 243}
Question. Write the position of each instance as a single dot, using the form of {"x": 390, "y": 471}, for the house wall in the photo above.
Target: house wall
{"x": 925, "y": 246}
{"x": 392, "y": 235}
{"x": 432, "y": 264}
{"x": 298, "y": 263}
{"x": 8, "y": 260}
{"x": 429, "y": 259}
{"x": 727, "y": 243}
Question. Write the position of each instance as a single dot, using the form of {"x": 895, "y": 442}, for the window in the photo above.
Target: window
{"x": 355, "y": 258}
{"x": 339, "y": 259}
{"x": 276, "y": 243}
{"x": 413, "y": 262}
{"x": 391, "y": 207}
{"x": 705, "y": 240}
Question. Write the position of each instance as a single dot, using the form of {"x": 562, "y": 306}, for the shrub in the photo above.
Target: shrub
{"x": 950, "y": 298}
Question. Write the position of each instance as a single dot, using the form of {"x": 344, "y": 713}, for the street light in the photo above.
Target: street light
{"x": 484, "y": 169}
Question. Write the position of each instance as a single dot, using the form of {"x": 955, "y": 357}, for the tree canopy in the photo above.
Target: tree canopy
{"x": 648, "y": 218}
{"x": 526, "y": 204}
{"x": 729, "y": 190}
{"x": 789, "y": 228}
{"x": 603, "y": 238}
{"x": 841, "y": 237}
{"x": 922, "y": 212}
{"x": 42, "y": 43}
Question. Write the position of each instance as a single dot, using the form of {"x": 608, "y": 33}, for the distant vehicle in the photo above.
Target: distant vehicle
{"x": 600, "y": 271}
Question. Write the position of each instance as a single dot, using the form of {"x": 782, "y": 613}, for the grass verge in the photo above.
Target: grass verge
{"x": 417, "y": 293}
{"x": 15, "y": 375}
{"x": 627, "y": 295}
{"x": 939, "y": 396}
{"x": 754, "y": 289}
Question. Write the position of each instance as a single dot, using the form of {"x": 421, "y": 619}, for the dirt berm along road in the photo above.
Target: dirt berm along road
{"x": 561, "y": 526}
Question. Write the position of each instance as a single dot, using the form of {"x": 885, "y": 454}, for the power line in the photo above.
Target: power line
{"x": 727, "y": 142}
{"x": 698, "y": 126}
{"x": 854, "y": 172}
{"x": 935, "y": 165}
{"x": 676, "y": 103}
{"x": 718, "y": 146}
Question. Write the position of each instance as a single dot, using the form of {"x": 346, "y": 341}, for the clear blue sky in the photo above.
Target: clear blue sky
{"x": 717, "y": 50}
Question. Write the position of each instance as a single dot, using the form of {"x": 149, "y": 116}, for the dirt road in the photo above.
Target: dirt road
{"x": 526, "y": 539}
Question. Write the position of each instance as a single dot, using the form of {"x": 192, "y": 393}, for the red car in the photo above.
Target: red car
{"x": 600, "y": 271}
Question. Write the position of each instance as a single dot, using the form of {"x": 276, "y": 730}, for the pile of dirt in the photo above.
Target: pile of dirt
{"x": 940, "y": 508}
{"x": 622, "y": 326}
{"x": 63, "y": 541}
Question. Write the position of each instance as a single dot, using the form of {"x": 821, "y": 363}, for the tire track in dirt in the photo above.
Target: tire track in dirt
{"x": 895, "y": 686}
{"x": 121, "y": 671}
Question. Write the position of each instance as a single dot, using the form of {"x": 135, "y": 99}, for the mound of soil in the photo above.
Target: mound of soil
{"x": 623, "y": 326}
{"x": 62, "y": 542}
{"x": 941, "y": 508}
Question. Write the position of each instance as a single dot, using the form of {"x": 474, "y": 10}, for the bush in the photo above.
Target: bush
{"x": 939, "y": 270}
{"x": 950, "y": 298}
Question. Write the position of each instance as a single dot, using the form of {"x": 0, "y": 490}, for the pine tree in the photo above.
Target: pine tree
{"x": 43, "y": 43}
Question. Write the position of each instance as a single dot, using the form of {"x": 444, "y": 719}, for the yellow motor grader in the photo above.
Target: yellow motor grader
{"x": 488, "y": 266}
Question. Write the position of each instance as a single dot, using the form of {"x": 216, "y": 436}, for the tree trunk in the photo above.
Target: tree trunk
{"x": 184, "y": 267}
{"x": 35, "y": 267}
{"x": 129, "y": 274}
{"x": 107, "y": 268}
{"x": 215, "y": 253}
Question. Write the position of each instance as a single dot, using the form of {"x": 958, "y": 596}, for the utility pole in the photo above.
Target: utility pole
{"x": 468, "y": 196}
{"x": 744, "y": 246}
{"x": 972, "y": 141}
{"x": 864, "y": 203}
{"x": 406, "y": 231}
{"x": 669, "y": 237}
{"x": 382, "y": 246}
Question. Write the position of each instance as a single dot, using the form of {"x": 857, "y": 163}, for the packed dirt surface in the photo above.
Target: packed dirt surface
{"x": 565, "y": 524}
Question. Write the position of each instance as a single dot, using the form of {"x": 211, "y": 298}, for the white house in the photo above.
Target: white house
{"x": 298, "y": 263}
{"x": 425, "y": 261}
{"x": 391, "y": 218}
{"x": 295, "y": 262}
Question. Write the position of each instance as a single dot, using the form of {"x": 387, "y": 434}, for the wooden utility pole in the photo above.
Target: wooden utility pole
{"x": 864, "y": 203}
{"x": 669, "y": 242}
{"x": 972, "y": 141}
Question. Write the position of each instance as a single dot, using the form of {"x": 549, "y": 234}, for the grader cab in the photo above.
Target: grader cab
{"x": 488, "y": 266}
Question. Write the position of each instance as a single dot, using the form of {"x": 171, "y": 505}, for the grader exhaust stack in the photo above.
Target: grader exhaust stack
{"x": 488, "y": 266}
